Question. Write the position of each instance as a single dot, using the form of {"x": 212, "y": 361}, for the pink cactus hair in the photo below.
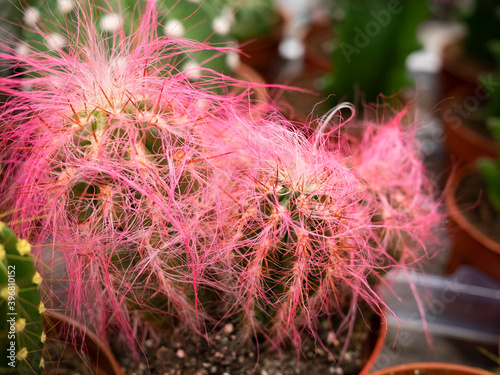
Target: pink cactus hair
{"x": 185, "y": 205}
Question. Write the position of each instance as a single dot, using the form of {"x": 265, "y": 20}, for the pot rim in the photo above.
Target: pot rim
{"x": 456, "y": 214}
{"x": 101, "y": 355}
{"x": 377, "y": 348}
{"x": 429, "y": 366}
{"x": 463, "y": 131}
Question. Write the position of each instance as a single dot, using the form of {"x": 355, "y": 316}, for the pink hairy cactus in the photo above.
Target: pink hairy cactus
{"x": 161, "y": 197}
{"x": 108, "y": 161}
{"x": 316, "y": 224}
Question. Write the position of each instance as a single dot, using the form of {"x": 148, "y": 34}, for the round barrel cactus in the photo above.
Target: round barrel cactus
{"x": 117, "y": 161}
{"x": 318, "y": 223}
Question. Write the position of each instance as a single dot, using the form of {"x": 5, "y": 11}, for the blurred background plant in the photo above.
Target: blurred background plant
{"x": 489, "y": 169}
{"x": 481, "y": 23}
{"x": 468, "y": 55}
{"x": 372, "y": 42}
{"x": 10, "y": 26}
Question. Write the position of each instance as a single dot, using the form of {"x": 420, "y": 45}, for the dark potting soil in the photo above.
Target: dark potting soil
{"x": 225, "y": 353}
{"x": 475, "y": 205}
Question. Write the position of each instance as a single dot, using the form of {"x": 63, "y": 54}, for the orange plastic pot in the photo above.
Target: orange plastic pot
{"x": 470, "y": 246}
{"x": 318, "y": 40}
{"x": 431, "y": 368}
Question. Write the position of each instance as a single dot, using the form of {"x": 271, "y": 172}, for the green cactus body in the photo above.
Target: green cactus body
{"x": 374, "y": 37}
{"x": 253, "y": 19}
{"x": 139, "y": 137}
{"x": 55, "y": 18}
{"x": 489, "y": 169}
{"x": 131, "y": 144}
{"x": 10, "y": 19}
{"x": 199, "y": 22}
{"x": 58, "y": 20}
{"x": 21, "y": 324}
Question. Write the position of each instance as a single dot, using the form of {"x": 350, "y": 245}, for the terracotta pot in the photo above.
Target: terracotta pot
{"x": 318, "y": 43}
{"x": 306, "y": 102}
{"x": 375, "y": 345}
{"x": 470, "y": 246}
{"x": 262, "y": 53}
{"x": 458, "y": 69}
{"x": 463, "y": 143}
{"x": 79, "y": 337}
{"x": 431, "y": 368}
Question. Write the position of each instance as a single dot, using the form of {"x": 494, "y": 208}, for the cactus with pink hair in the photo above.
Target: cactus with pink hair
{"x": 163, "y": 199}
{"x": 114, "y": 157}
{"x": 317, "y": 224}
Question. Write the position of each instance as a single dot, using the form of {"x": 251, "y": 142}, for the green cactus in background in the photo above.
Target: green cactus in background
{"x": 21, "y": 324}
{"x": 493, "y": 107}
{"x": 482, "y": 27}
{"x": 205, "y": 23}
{"x": 10, "y": 17}
{"x": 222, "y": 23}
{"x": 252, "y": 19}
{"x": 489, "y": 169}
{"x": 372, "y": 43}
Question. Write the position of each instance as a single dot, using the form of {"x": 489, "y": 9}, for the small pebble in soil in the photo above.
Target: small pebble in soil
{"x": 228, "y": 328}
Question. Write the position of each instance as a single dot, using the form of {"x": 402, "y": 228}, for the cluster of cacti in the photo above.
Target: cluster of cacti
{"x": 21, "y": 325}
{"x": 159, "y": 195}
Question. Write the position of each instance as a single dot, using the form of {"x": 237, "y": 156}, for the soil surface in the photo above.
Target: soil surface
{"x": 474, "y": 203}
{"x": 181, "y": 353}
